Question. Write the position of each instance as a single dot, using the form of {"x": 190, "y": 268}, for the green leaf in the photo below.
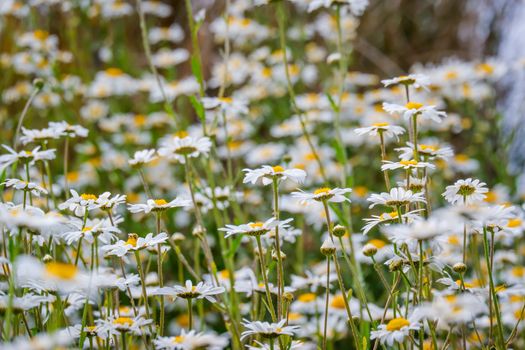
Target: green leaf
{"x": 235, "y": 245}
{"x": 332, "y": 103}
{"x": 198, "y": 107}
{"x": 196, "y": 68}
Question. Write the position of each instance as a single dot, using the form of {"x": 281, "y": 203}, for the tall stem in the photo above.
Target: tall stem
{"x": 280, "y": 279}
{"x": 327, "y": 300}
{"x": 265, "y": 279}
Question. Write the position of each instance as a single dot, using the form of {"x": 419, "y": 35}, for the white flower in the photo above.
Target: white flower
{"x": 467, "y": 192}
{"x": 202, "y": 290}
{"x": 27, "y": 156}
{"x": 267, "y": 173}
{"x": 396, "y": 330}
{"x": 79, "y": 204}
{"x": 142, "y": 157}
{"x": 398, "y": 196}
{"x": 419, "y": 230}
{"x": 415, "y": 109}
{"x": 25, "y": 186}
{"x": 156, "y": 205}
{"x": 267, "y": 330}
{"x": 117, "y": 325}
{"x": 101, "y": 229}
{"x": 36, "y": 135}
{"x": 387, "y": 218}
{"x": 179, "y": 148}
{"x": 381, "y": 128}
{"x": 64, "y": 128}
{"x": 106, "y": 202}
{"x": 405, "y": 164}
{"x": 416, "y": 80}
{"x": 192, "y": 341}
{"x": 254, "y": 228}
{"x": 430, "y": 150}
{"x": 335, "y": 195}
{"x": 135, "y": 243}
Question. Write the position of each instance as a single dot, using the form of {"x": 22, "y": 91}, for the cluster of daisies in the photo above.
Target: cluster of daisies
{"x": 271, "y": 199}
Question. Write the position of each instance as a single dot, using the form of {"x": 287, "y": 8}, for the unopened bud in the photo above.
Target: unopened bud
{"x": 288, "y": 296}
{"x": 38, "y": 83}
{"x": 178, "y": 237}
{"x": 339, "y": 230}
{"x": 276, "y": 258}
{"x": 459, "y": 267}
{"x": 198, "y": 231}
{"x": 47, "y": 258}
{"x": 395, "y": 265}
{"x": 369, "y": 250}
{"x": 328, "y": 248}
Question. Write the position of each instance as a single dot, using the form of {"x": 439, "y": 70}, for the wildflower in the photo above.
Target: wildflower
{"x": 25, "y": 186}
{"x": 415, "y": 109}
{"x": 415, "y": 80}
{"x": 27, "y": 156}
{"x": 405, "y": 164}
{"x": 142, "y": 157}
{"x": 117, "y": 325}
{"x": 268, "y": 173}
{"x": 107, "y": 203}
{"x": 157, "y": 205}
{"x": 135, "y": 243}
{"x": 466, "y": 192}
{"x": 267, "y": 330}
{"x": 192, "y": 341}
{"x": 387, "y": 218}
{"x": 336, "y": 195}
{"x": 202, "y": 290}
{"x": 381, "y": 128}
{"x": 397, "y": 197}
{"x": 182, "y": 147}
{"x": 79, "y": 204}
{"x": 255, "y": 228}
{"x": 395, "y": 331}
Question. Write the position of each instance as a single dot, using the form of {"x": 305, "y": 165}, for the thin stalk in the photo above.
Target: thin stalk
{"x": 265, "y": 279}
{"x": 327, "y": 300}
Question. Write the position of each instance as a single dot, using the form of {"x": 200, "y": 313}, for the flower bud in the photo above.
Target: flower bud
{"x": 276, "y": 258}
{"x": 339, "y": 230}
{"x": 178, "y": 237}
{"x": 47, "y": 258}
{"x": 328, "y": 248}
{"x": 38, "y": 83}
{"x": 198, "y": 230}
{"x": 395, "y": 265}
{"x": 288, "y": 296}
{"x": 369, "y": 250}
{"x": 459, "y": 267}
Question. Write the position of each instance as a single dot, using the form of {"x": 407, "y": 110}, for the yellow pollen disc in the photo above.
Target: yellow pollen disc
{"x": 88, "y": 196}
{"x": 124, "y": 321}
{"x": 360, "y": 191}
{"x": 87, "y": 228}
{"x": 486, "y": 68}
{"x": 124, "y": 310}
{"x": 114, "y": 72}
{"x": 380, "y": 124}
{"x": 388, "y": 216}
{"x": 518, "y": 271}
{"x": 182, "y": 134}
{"x": 178, "y": 339}
{"x": 396, "y": 324}
{"x": 257, "y": 224}
{"x": 451, "y": 75}
{"x": 61, "y": 270}
{"x": 451, "y": 298}
{"x": 428, "y": 148}
{"x": 491, "y": 197}
{"x": 338, "y": 302}
{"x": 278, "y": 168}
{"x": 306, "y": 297}
{"x": 293, "y": 316}
{"x": 41, "y": 34}
{"x": 322, "y": 190}
{"x": 278, "y": 330}
{"x": 461, "y": 158}
{"x": 139, "y": 119}
{"x": 309, "y": 156}
{"x": 224, "y": 274}
{"x": 413, "y": 105}
{"x": 377, "y": 243}
{"x": 226, "y": 99}
{"x": 91, "y": 328}
{"x": 160, "y": 202}
{"x": 408, "y": 162}
{"x": 519, "y": 315}
{"x": 514, "y": 223}
{"x": 132, "y": 240}
{"x": 467, "y": 284}
{"x": 454, "y": 240}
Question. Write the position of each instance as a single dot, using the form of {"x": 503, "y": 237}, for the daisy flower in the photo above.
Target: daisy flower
{"x": 415, "y": 109}
{"x": 466, "y": 191}
{"x": 106, "y": 202}
{"x": 432, "y": 151}
{"x": 395, "y": 331}
{"x": 191, "y": 341}
{"x": 419, "y": 230}
{"x": 64, "y": 128}
{"x": 117, "y": 325}
{"x": 255, "y": 228}
{"x": 142, "y": 157}
{"x": 182, "y": 147}
{"x": 79, "y": 204}
{"x": 397, "y": 196}
{"x": 38, "y": 135}
{"x": 134, "y": 243}
{"x": 267, "y": 330}
{"x": 336, "y": 195}
{"x": 202, "y": 290}
{"x": 268, "y": 173}
{"x": 387, "y": 218}
{"x": 27, "y": 156}
{"x": 416, "y": 80}
{"x": 156, "y": 205}
{"x": 382, "y": 128}
{"x": 405, "y": 164}
{"x": 25, "y": 186}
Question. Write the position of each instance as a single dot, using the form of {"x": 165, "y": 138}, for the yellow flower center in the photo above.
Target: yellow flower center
{"x": 61, "y": 270}
{"x": 408, "y": 162}
{"x": 87, "y": 228}
{"x": 306, "y": 297}
{"x": 88, "y": 196}
{"x": 114, "y": 72}
{"x": 428, "y": 148}
{"x": 278, "y": 169}
{"x": 518, "y": 271}
{"x": 454, "y": 240}
{"x": 485, "y": 68}
{"x": 514, "y": 223}
{"x": 123, "y": 321}
{"x": 226, "y": 99}
{"x": 322, "y": 190}
{"x": 41, "y": 34}
{"x": 388, "y": 216}
{"x": 377, "y": 243}
{"x": 414, "y": 105}
{"x": 132, "y": 239}
{"x": 139, "y": 119}
{"x": 182, "y": 134}
{"x": 178, "y": 339}
{"x": 257, "y": 224}
{"x": 160, "y": 202}
{"x": 396, "y": 324}
{"x": 224, "y": 274}
{"x": 338, "y": 302}
{"x": 380, "y": 124}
